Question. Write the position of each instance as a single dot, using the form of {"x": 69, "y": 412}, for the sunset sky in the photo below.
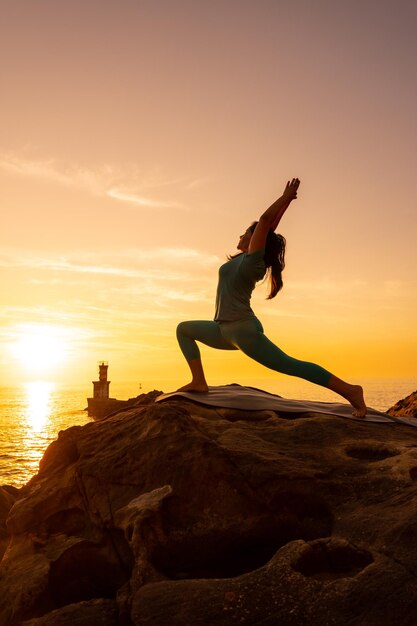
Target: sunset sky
{"x": 139, "y": 139}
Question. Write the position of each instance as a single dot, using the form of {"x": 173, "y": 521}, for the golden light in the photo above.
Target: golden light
{"x": 40, "y": 347}
{"x": 38, "y": 404}
{"x": 36, "y": 425}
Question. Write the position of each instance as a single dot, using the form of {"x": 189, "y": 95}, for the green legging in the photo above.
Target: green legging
{"x": 247, "y": 336}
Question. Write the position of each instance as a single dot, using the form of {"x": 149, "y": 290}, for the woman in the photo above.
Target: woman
{"x": 235, "y": 325}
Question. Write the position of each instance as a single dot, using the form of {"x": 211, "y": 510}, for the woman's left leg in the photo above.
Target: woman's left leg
{"x": 249, "y": 337}
{"x": 204, "y": 331}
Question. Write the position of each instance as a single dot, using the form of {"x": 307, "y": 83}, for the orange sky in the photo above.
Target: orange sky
{"x": 139, "y": 139}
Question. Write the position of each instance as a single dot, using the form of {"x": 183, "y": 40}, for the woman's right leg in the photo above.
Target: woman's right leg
{"x": 207, "y": 332}
{"x": 249, "y": 337}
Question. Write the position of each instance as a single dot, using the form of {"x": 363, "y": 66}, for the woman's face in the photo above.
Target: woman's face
{"x": 244, "y": 240}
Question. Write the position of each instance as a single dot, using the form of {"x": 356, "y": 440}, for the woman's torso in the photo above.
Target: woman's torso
{"x": 237, "y": 280}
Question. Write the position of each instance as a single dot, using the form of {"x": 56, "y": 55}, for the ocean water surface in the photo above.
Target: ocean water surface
{"x": 32, "y": 414}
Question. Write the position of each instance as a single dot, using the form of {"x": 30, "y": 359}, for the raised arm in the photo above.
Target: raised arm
{"x": 270, "y": 219}
{"x": 290, "y": 194}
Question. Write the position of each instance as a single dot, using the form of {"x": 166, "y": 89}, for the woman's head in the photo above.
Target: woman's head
{"x": 244, "y": 240}
{"x": 274, "y": 256}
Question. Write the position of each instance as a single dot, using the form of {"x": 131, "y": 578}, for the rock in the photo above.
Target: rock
{"x": 99, "y": 408}
{"x": 320, "y": 582}
{"x": 8, "y": 496}
{"x": 91, "y": 613}
{"x": 176, "y": 513}
{"x": 406, "y": 407}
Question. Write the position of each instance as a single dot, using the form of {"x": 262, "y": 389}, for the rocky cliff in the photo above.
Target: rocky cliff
{"x": 177, "y": 514}
{"x": 407, "y": 406}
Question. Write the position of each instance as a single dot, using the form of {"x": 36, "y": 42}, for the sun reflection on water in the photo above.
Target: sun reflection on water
{"x": 38, "y": 407}
{"x": 36, "y": 424}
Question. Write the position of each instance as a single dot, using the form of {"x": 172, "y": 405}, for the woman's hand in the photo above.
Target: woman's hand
{"x": 290, "y": 191}
{"x": 270, "y": 219}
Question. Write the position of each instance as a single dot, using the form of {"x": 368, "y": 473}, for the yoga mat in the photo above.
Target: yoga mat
{"x": 251, "y": 399}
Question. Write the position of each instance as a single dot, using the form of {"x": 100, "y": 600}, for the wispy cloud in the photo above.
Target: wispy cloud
{"x": 48, "y": 170}
{"x": 128, "y": 184}
{"x": 169, "y": 264}
{"x": 65, "y": 265}
{"x": 325, "y": 285}
{"x": 142, "y": 201}
{"x": 182, "y": 255}
{"x": 197, "y": 182}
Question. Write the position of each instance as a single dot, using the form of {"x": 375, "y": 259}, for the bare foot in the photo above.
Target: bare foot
{"x": 200, "y": 387}
{"x": 357, "y": 401}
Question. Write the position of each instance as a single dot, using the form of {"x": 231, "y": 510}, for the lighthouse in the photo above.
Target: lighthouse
{"x": 101, "y": 386}
{"x": 100, "y": 405}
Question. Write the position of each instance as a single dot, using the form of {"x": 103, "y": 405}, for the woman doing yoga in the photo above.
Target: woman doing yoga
{"x": 235, "y": 326}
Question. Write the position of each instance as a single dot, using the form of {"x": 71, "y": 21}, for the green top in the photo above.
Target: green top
{"x": 237, "y": 280}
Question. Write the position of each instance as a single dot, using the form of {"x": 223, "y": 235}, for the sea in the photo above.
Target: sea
{"x": 33, "y": 413}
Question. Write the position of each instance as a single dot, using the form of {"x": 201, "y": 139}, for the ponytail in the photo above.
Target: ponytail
{"x": 275, "y": 262}
{"x": 274, "y": 259}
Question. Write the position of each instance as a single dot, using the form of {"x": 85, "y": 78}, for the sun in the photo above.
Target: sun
{"x": 40, "y": 347}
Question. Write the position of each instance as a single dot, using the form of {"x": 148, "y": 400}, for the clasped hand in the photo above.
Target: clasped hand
{"x": 291, "y": 189}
